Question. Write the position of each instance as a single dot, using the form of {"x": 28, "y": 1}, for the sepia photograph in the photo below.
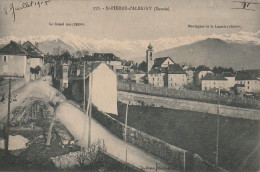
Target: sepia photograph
{"x": 130, "y": 85}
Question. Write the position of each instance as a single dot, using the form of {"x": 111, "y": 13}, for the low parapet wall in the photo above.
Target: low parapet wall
{"x": 176, "y": 157}
{"x": 171, "y": 103}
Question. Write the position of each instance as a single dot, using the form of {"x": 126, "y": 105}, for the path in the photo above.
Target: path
{"x": 73, "y": 119}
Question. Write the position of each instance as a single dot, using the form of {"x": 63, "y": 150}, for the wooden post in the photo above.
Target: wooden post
{"x": 90, "y": 104}
{"x": 217, "y": 144}
{"x": 184, "y": 160}
{"x": 8, "y": 119}
{"x": 84, "y": 87}
{"x": 126, "y": 116}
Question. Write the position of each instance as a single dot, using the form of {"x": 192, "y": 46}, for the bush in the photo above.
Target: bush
{"x": 92, "y": 156}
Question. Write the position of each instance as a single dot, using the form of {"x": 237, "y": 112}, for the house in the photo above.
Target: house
{"x": 163, "y": 62}
{"x": 108, "y": 58}
{"x": 103, "y": 83}
{"x": 239, "y": 89}
{"x": 243, "y": 81}
{"x": 128, "y": 65}
{"x": 138, "y": 76}
{"x": 15, "y": 61}
{"x": 230, "y": 79}
{"x": 213, "y": 82}
{"x": 254, "y": 72}
{"x": 200, "y": 72}
{"x": 177, "y": 77}
{"x": 251, "y": 82}
{"x": 122, "y": 73}
{"x": 36, "y": 56}
{"x": 156, "y": 77}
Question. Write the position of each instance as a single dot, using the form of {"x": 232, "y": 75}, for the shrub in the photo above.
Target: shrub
{"x": 92, "y": 156}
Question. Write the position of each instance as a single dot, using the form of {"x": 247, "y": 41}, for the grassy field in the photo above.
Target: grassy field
{"x": 196, "y": 132}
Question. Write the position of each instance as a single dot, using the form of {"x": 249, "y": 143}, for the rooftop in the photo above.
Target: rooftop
{"x": 32, "y": 50}
{"x": 175, "y": 69}
{"x": 245, "y": 75}
{"x": 228, "y": 74}
{"x": 214, "y": 77}
{"x": 13, "y": 49}
{"x": 159, "y": 61}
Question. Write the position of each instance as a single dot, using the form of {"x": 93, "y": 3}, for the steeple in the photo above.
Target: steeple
{"x": 149, "y": 57}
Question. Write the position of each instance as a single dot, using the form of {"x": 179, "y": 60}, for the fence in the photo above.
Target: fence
{"x": 200, "y": 96}
{"x": 176, "y": 157}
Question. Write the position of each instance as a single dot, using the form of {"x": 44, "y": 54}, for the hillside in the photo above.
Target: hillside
{"x": 215, "y": 52}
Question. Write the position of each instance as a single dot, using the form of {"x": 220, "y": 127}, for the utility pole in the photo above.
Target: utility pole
{"x": 84, "y": 87}
{"x": 217, "y": 144}
{"x": 90, "y": 105}
{"x": 8, "y": 119}
{"x": 126, "y": 116}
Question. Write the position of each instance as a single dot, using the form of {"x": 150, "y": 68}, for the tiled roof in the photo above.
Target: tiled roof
{"x": 13, "y": 49}
{"x": 89, "y": 68}
{"x": 254, "y": 72}
{"x": 155, "y": 71}
{"x": 245, "y": 75}
{"x": 32, "y": 50}
{"x": 214, "y": 77}
{"x": 227, "y": 74}
{"x": 175, "y": 69}
{"x": 159, "y": 61}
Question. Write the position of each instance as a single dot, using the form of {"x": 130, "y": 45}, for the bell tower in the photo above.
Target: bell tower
{"x": 149, "y": 57}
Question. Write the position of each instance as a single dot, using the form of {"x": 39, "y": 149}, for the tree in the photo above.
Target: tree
{"x": 142, "y": 66}
{"x": 66, "y": 56}
{"x": 54, "y": 105}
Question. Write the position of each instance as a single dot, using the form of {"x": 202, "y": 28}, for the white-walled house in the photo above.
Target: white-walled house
{"x": 227, "y": 80}
{"x": 122, "y": 73}
{"x": 138, "y": 75}
{"x": 177, "y": 78}
{"x": 36, "y": 56}
{"x": 212, "y": 82}
{"x": 200, "y": 72}
{"x": 252, "y": 83}
{"x": 108, "y": 58}
{"x": 15, "y": 61}
{"x": 104, "y": 86}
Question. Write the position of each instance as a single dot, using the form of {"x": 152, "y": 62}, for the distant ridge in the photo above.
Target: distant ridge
{"x": 238, "y": 50}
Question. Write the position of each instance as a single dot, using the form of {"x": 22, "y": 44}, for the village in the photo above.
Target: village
{"x": 130, "y": 103}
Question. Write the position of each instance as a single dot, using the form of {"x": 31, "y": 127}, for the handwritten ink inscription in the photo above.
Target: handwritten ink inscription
{"x": 245, "y": 5}
{"x": 13, "y": 8}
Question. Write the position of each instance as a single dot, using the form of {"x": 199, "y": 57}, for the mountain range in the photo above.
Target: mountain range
{"x": 237, "y": 50}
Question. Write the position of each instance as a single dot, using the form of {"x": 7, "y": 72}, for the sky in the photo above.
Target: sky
{"x": 127, "y": 24}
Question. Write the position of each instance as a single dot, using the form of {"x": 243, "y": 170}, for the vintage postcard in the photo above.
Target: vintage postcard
{"x": 130, "y": 85}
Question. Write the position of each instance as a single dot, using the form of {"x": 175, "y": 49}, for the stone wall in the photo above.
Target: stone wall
{"x": 171, "y": 154}
{"x": 171, "y": 103}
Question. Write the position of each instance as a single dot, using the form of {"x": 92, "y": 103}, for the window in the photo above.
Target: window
{"x": 248, "y": 82}
{"x": 5, "y": 59}
{"x": 248, "y": 87}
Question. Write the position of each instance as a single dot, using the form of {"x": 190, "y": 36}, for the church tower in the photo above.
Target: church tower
{"x": 149, "y": 57}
